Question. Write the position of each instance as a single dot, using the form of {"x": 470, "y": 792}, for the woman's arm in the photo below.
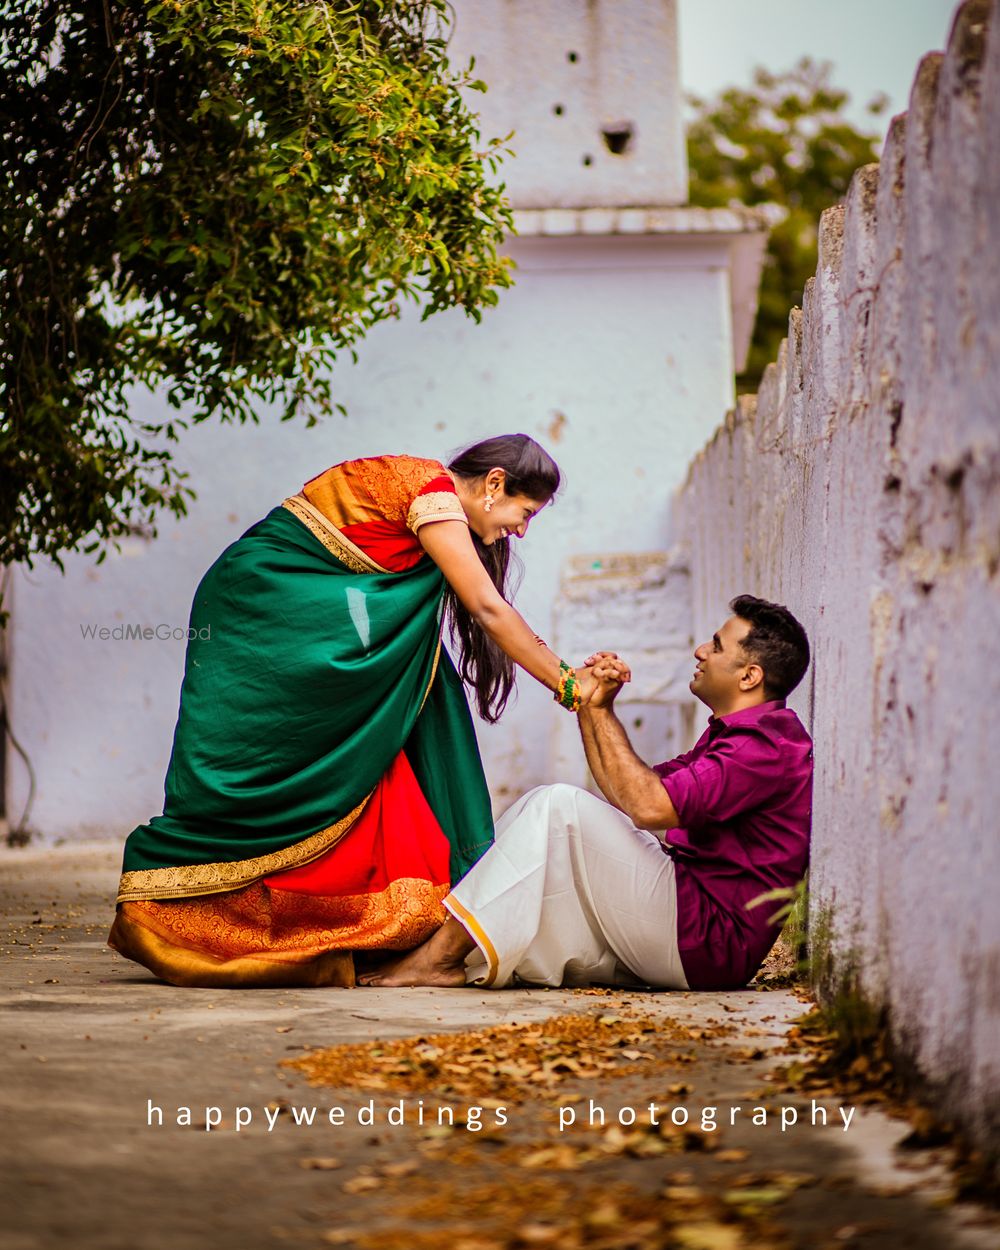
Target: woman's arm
{"x": 448, "y": 544}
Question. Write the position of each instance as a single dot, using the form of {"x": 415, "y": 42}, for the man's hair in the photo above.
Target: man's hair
{"x": 776, "y": 641}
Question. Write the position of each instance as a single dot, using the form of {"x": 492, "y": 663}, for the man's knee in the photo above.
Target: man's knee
{"x": 570, "y": 806}
{"x": 558, "y": 794}
{"x": 562, "y": 807}
{"x": 562, "y": 792}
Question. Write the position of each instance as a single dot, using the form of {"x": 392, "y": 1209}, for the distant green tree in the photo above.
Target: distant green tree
{"x": 784, "y": 141}
{"x": 215, "y": 197}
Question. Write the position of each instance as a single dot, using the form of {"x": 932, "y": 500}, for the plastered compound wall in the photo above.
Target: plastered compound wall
{"x": 861, "y": 487}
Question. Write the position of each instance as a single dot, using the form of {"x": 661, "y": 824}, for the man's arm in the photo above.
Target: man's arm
{"x": 592, "y": 751}
{"x": 613, "y": 675}
{"x": 625, "y": 780}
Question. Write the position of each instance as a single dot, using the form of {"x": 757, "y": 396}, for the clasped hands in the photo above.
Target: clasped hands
{"x": 600, "y": 679}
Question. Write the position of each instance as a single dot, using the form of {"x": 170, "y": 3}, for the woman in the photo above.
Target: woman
{"x": 325, "y": 788}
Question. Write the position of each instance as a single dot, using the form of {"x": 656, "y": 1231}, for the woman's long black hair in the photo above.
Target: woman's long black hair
{"x": 530, "y": 471}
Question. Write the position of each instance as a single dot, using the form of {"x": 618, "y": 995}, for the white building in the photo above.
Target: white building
{"x": 616, "y": 348}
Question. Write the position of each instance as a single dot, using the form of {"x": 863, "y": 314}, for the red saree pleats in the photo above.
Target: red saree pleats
{"x": 396, "y": 837}
{"x": 379, "y": 888}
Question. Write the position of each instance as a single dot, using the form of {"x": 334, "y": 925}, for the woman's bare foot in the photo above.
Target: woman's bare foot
{"x": 438, "y": 961}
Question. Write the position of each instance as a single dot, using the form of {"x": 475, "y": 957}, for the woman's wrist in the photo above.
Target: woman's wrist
{"x": 567, "y": 692}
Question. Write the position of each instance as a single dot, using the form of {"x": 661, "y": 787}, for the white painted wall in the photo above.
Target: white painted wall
{"x": 599, "y": 339}
{"x": 560, "y": 74}
{"x": 862, "y": 488}
{"x": 638, "y": 604}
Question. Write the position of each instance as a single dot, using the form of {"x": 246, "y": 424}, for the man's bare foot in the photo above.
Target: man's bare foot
{"x": 438, "y": 961}
{"x": 416, "y": 967}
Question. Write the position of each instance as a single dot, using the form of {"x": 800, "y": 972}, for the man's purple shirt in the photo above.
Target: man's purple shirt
{"x": 743, "y": 796}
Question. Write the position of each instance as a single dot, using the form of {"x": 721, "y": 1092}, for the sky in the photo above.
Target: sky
{"x": 875, "y": 45}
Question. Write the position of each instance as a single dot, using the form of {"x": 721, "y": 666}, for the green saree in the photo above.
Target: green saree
{"x": 308, "y": 671}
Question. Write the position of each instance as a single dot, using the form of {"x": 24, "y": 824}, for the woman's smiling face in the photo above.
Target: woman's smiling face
{"x": 508, "y": 517}
{"x": 494, "y": 514}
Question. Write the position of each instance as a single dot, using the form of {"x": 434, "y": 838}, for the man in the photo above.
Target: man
{"x": 577, "y": 890}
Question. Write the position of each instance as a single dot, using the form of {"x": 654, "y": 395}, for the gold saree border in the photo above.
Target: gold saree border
{"x": 434, "y": 669}
{"x": 267, "y": 922}
{"x": 333, "y": 539}
{"x": 187, "y": 879}
{"x": 178, "y": 965}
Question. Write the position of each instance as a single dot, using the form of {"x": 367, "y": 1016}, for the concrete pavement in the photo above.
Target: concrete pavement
{"x": 92, "y": 1043}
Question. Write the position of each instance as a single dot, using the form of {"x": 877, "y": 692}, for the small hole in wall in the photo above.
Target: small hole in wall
{"x": 588, "y": 160}
{"x": 558, "y": 110}
{"x": 618, "y": 138}
{"x": 572, "y": 57}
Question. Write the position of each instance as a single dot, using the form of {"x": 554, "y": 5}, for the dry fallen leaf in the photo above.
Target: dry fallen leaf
{"x": 707, "y": 1236}
{"x": 755, "y": 1197}
{"x": 404, "y": 1168}
{"x": 539, "y": 1234}
{"x": 562, "y": 1156}
{"x": 360, "y": 1184}
{"x": 683, "y": 1193}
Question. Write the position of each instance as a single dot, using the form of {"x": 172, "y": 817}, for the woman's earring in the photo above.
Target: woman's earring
{"x": 488, "y": 503}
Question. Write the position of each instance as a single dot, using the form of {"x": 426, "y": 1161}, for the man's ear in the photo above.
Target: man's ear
{"x": 752, "y": 677}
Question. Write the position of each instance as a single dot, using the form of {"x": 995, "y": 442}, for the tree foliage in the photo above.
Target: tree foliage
{"x": 215, "y": 197}
{"x": 786, "y": 142}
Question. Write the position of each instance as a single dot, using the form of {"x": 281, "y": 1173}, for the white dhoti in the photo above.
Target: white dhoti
{"x": 572, "y": 893}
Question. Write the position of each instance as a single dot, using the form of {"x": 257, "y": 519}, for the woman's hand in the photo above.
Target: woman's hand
{"x": 587, "y": 683}
{"x": 599, "y": 656}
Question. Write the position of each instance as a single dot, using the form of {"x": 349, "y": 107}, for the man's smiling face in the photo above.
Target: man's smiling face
{"x": 722, "y": 662}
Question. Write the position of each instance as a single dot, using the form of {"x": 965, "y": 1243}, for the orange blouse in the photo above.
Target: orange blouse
{"x": 380, "y": 502}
